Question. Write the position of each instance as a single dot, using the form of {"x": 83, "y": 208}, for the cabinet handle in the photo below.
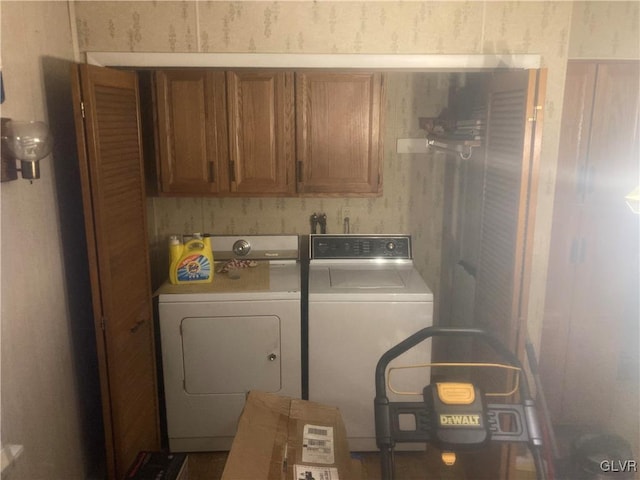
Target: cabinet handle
{"x": 299, "y": 171}
{"x": 271, "y": 357}
{"x": 232, "y": 170}
{"x": 212, "y": 177}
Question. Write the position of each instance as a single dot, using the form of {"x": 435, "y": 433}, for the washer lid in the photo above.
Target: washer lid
{"x": 367, "y": 283}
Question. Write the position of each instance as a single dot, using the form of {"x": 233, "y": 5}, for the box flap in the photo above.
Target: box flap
{"x": 259, "y": 447}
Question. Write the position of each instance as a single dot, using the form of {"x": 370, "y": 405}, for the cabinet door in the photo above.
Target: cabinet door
{"x": 591, "y": 305}
{"x": 192, "y": 131}
{"x": 109, "y": 148}
{"x": 261, "y": 131}
{"x": 612, "y": 168}
{"x": 339, "y": 132}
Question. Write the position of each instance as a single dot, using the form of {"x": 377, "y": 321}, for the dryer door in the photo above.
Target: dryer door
{"x": 231, "y": 354}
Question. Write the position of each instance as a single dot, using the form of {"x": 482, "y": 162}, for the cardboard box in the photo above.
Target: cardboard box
{"x": 285, "y": 438}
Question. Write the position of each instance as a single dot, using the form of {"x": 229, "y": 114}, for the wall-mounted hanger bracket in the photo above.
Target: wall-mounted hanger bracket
{"x": 464, "y": 148}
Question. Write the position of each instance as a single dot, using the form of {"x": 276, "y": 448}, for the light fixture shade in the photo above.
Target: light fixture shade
{"x": 27, "y": 141}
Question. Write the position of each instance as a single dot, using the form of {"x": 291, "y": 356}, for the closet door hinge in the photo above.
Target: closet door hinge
{"x": 103, "y": 321}
{"x": 536, "y": 109}
{"x": 82, "y": 109}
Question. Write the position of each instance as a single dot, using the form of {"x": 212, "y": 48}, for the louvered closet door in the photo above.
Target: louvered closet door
{"x": 510, "y": 183}
{"x": 508, "y": 217}
{"x": 110, "y": 154}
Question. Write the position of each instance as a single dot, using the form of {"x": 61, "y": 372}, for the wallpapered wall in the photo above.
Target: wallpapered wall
{"x": 41, "y": 398}
{"x": 46, "y": 316}
{"x": 410, "y": 185}
{"x": 605, "y": 30}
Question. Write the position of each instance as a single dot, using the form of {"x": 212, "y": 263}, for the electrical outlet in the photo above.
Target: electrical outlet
{"x": 346, "y": 213}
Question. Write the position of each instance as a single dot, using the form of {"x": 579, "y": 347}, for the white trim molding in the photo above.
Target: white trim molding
{"x": 333, "y": 61}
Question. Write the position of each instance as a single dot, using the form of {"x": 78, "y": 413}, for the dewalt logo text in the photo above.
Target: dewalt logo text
{"x": 459, "y": 420}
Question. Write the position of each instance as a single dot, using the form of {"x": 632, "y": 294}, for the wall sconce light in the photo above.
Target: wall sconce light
{"x": 28, "y": 142}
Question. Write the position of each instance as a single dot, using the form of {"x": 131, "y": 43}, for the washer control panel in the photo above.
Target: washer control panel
{"x": 360, "y": 246}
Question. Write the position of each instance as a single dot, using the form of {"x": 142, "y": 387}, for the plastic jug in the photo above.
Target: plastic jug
{"x": 191, "y": 262}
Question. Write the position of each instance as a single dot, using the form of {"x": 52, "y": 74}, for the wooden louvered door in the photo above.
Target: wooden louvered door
{"x": 110, "y": 154}
{"x": 510, "y": 181}
{"x": 513, "y": 137}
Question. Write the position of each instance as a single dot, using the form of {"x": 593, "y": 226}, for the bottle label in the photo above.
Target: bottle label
{"x": 194, "y": 267}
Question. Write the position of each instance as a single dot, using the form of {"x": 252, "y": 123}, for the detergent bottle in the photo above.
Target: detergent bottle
{"x": 191, "y": 262}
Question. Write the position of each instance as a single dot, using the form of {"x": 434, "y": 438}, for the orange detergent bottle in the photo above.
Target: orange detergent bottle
{"x": 191, "y": 262}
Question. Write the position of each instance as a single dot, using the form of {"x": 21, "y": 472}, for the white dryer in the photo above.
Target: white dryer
{"x": 365, "y": 296}
{"x": 220, "y": 340}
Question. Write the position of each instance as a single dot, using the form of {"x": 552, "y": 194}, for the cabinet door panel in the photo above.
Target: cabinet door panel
{"x": 339, "y": 140}
{"x": 612, "y": 170}
{"x": 261, "y": 131}
{"x": 192, "y": 131}
{"x": 591, "y": 302}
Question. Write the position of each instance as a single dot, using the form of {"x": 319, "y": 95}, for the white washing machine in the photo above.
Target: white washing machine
{"x": 219, "y": 340}
{"x": 365, "y": 296}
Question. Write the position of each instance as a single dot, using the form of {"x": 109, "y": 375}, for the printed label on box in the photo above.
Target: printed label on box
{"x": 317, "y": 444}
{"x": 307, "y": 472}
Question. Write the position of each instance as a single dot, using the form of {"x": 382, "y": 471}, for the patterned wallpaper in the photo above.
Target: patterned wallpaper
{"x": 429, "y": 27}
{"x": 605, "y": 30}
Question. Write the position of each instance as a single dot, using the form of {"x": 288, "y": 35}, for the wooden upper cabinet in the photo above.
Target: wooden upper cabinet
{"x": 339, "y": 132}
{"x": 267, "y": 132}
{"x": 261, "y": 131}
{"x": 192, "y": 131}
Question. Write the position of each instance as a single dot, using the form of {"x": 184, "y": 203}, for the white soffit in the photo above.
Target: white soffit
{"x": 338, "y": 61}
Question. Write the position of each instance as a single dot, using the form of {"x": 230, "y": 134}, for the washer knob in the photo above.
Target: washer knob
{"x": 241, "y": 248}
{"x": 390, "y": 246}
